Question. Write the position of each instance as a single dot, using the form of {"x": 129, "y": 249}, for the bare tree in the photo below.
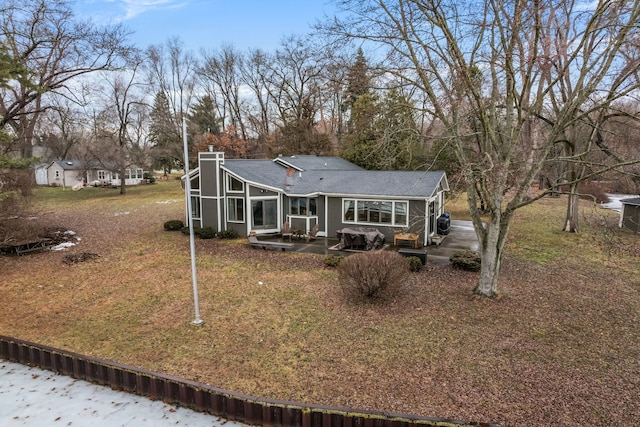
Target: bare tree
{"x": 489, "y": 69}
{"x": 172, "y": 72}
{"x": 121, "y": 137}
{"x": 56, "y": 49}
{"x": 255, "y": 72}
{"x": 62, "y": 129}
{"x": 221, "y": 74}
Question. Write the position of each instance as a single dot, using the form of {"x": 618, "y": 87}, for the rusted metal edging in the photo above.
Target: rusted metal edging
{"x": 204, "y": 398}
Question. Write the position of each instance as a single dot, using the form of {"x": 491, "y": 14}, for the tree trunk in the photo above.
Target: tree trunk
{"x": 491, "y": 246}
{"x": 123, "y": 184}
{"x": 571, "y": 220}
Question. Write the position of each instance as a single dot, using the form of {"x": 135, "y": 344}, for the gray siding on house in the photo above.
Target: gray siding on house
{"x": 328, "y": 180}
{"x": 416, "y": 219}
{"x": 209, "y": 213}
{"x": 261, "y": 192}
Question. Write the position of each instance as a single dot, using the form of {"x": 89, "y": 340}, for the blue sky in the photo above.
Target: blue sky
{"x": 208, "y": 23}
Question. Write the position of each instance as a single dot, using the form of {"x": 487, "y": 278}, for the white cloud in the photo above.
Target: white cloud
{"x": 115, "y": 11}
{"x": 134, "y": 8}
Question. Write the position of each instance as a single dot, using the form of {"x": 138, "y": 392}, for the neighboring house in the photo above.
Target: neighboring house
{"x": 40, "y": 171}
{"x": 260, "y": 195}
{"x": 630, "y": 214}
{"x": 67, "y": 173}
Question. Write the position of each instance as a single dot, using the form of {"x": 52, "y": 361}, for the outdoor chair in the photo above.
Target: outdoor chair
{"x": 287, "y": 231}
{"x": 313, "y": 234}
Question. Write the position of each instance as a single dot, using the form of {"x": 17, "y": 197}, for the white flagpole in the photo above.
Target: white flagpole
{"x": 192, "y": 244}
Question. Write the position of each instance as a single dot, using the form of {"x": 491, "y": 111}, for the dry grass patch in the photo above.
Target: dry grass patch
{"x": 559, "y": 348}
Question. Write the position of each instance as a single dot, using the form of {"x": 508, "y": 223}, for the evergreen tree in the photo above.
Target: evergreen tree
{"x": 165, "y": 135}
{"x": 358, "y": 79}
{"x": 203, "y": 118}
{"x": 384, "y": 135}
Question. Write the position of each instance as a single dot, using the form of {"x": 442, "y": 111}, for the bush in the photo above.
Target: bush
{"x": 149, "y": 178}
{"x": 466, "y": 260}
{"x": 228, "y": 234}
{"x": 204, "y": 232}
{"x": 415, "y": 264}
{"x": 372, "y": 275}
{"x": 173, "y": 225}
{"x": 332, "y": 260}
{"x": 185, "y": 230}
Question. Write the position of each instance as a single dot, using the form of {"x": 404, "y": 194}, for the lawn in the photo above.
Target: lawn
{"x": 560, "y": 347}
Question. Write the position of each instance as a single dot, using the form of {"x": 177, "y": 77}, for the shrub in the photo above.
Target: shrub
{"x": 173, "y": 225}
{"x": 372, "y": 274}
{"x": 228, "y": 234}
{"x": 415, "y": 264}
{"x": 204, "y": 232}
{"x": 185, "y": 230}
{"x": 332, "y": 260}
{"x": 149, "y": 178}
{"x": 466, "y": 260}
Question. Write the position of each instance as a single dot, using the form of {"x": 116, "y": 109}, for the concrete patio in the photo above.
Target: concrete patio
{"x": 461, "y": 236}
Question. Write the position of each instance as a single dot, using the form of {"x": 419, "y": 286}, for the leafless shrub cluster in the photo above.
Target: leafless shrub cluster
{"x": 372, "y": 275}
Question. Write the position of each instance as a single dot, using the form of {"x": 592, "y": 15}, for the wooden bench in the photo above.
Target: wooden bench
{"x": 255, "y": 243}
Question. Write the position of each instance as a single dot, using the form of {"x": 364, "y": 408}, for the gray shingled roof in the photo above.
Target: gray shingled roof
{"x": 338, "y": 177}
{"x": 309, "y": 162}
{"x": 631, "y": 201}
{"x": 68, "y": 164}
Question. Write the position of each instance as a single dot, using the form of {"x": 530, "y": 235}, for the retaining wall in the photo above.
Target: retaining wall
{"x": 204, "y": 398}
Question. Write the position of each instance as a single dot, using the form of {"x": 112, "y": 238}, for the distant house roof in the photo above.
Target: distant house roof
{"x": 307, "y": 175}
{"x": 68, "y": 164}
{"x": 631, "y": 201}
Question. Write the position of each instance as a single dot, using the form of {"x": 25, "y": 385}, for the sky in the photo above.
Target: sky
{"x": 208, "y": 24}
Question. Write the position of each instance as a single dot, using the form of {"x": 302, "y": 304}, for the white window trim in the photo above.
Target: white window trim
{"x": 228, "y": 184}
{"x": 393, "y": 222}
{"x": 244, "y": 208}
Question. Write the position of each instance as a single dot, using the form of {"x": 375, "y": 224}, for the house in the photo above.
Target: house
{"x": 67, "y": 173}
{"x": 630, "y": 214}
{"x": 260, "y": 195}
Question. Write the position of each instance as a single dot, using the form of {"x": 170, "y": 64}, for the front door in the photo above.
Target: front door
{"x": 264, "y": 214}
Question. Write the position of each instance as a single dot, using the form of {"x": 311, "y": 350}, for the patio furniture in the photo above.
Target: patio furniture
{"x": 313, "y": 234}
{"x": 413, "y": 238}
{"x": 366, "y": 238}
{"x": 255, "y": 243}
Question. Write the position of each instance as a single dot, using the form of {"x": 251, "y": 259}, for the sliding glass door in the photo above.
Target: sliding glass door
{"x": 264, "y": 214}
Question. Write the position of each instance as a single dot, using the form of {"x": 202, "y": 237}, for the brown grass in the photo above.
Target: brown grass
{"x": 560, "y": 347}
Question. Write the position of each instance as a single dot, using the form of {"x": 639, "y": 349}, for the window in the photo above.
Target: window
{"x": 234, "y": 185}
{"x": 302, "y": 206}
{"x": 375, "y": 212}
{"x": 195, "y": 207}
{"x": 235, "y": 209}
{"x": 57, "y": 174}
{"x": 102, "y": 175}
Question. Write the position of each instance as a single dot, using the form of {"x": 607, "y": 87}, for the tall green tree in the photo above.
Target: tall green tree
{"x": 203, "y": 118}
{"x": 358, "y": 144}
{"x": 166, "y": 140}
{"x": 384, "y": 135}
